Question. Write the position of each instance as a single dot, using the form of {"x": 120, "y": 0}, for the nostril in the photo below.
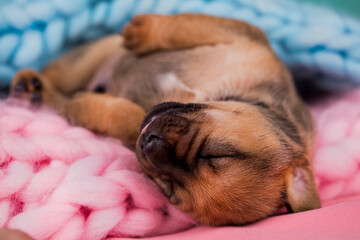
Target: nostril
{"x": 151, "y": 137}
{"x": 149, "y": 143}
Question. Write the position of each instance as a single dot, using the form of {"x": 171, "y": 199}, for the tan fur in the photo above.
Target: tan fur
{"x": 77, "y": 70}
{"x": 10, "y": 234}
{"x": 111, "y": 109}
{"x": 244, "y": 100}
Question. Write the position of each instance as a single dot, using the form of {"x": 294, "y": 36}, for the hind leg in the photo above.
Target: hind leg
{"x": 37, "y": 89}
{"x": 100, "y": 113}
{"x": 151, "y": 32}
{"x": 74, "y": 71}
{"x": 56, "y": 86}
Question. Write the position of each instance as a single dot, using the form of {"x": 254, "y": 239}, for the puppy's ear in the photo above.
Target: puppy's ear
{"x": 301, "y": 189}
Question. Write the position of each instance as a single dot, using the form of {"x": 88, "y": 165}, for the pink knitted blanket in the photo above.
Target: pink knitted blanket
{"x": 337, "y": 150}
{"x": 63, "y": 182}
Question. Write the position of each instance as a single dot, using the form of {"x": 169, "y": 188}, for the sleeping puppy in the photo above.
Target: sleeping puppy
{"x": 225, "y": 136}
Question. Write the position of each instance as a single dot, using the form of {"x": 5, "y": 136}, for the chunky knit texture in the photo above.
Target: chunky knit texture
{"x": 337, "y": 150}
{"x": 63, "y": 182}
{"x": 318, "y": 44}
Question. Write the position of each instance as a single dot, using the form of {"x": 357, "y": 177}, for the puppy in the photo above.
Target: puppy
{"x": 226, "y": 137}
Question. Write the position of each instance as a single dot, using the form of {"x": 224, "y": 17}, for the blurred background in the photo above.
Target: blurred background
{"x": 346, "y": 6}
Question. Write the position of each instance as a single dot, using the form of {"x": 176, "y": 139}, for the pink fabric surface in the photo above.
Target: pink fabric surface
{"x": 63, "y": 182}
{"x": 336, "y": 163}
{"x": 335, "y": 222}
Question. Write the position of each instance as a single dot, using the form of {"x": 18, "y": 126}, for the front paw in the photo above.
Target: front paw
{"x": 28, "y": 85}
{"x": 35, "y": 88}
{"x": 140, "y": 33}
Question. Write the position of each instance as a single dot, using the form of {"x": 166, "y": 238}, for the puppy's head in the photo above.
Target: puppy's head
{"x": 225, "y": 163}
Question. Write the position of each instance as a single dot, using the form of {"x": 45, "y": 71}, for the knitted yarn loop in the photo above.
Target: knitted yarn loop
{"x": 63, "y": 182}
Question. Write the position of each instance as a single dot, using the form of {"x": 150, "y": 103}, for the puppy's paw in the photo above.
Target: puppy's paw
{"x": 32, "y": 86}
{"x": 28, "y": 85}
{"x": 139, "y": 34}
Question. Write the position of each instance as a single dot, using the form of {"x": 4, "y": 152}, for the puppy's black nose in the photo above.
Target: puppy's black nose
{"x": 165, "y": 141}
{"x": 149, "y": 143}
{"x": 155, "y": 148}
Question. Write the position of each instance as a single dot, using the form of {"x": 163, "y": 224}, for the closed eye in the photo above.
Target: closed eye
{"x": 230, "y": 153}
{"x": 216, "y": 163}
{"x": 214, "y": 157}
{"x": 217, "y": 154}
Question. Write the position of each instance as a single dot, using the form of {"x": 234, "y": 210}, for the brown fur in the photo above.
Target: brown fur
{"x": 236, "y": 154}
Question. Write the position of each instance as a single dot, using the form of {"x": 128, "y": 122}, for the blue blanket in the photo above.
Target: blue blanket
{"x": 318, "y": 44}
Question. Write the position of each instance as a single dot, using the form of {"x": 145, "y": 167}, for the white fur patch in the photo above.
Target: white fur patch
{"x": 170, "y": 82}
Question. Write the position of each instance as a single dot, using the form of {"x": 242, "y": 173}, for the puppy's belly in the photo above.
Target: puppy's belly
{"x": 104, "y": 74}
{"x": 192, "y": 75}
{"x": 162, "y": 76}
{"x": 147, "y": 80}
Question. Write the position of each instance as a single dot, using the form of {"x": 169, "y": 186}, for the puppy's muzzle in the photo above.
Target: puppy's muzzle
{"x": 166, "y": 136}
{"x": 154, "y": 147}
{"x": 160, "y": 142}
